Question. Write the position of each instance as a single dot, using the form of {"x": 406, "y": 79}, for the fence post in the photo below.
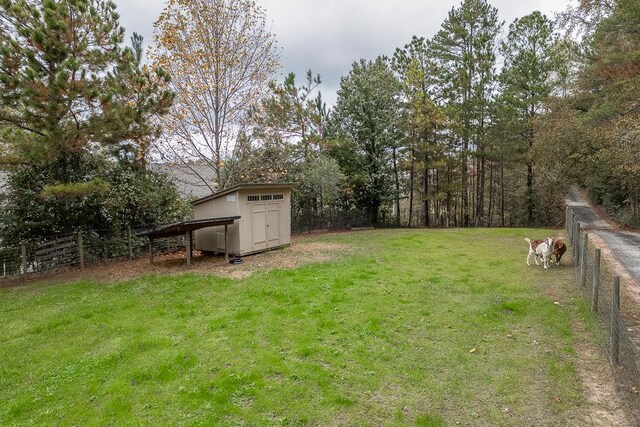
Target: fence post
{"x": 23, "y": 256}
{"x": 615, "y": 314}
{"x": 130, "y": 245}
{"x": 596, "y": 281}
{"x": 81, "y": 250}
{"x": 576, "y": 252}
{"x": 583, "y": 260}
{"x": 576, "y": 243}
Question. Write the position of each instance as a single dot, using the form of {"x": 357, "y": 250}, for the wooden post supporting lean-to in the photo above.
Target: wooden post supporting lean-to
{"x": 226, "y": 243}
{"x": 596, "y": 281}
{"x": 615, "y": 315}
{"x": 188, "y": 247}
{"x": 192, "y": 245}
{"x": 150, "y": 250}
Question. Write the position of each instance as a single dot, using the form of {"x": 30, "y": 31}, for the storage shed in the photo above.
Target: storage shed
{"x": 265, "y": 218}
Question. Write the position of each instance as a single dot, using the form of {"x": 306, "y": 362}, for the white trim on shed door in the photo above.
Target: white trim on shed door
{"x": 265, "y": 225}
{"x": 273, "y": 224}
{"x": 258, "y": 226}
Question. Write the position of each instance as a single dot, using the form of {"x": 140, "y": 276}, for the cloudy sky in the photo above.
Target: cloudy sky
{"x": 327, "y": 36}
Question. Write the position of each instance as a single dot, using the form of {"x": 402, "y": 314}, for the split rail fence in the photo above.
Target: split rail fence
{"x": 79, "y": 250}
{"x": 617, "y": 314}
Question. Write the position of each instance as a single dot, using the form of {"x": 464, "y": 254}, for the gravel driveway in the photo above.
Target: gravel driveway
{"x": 624, "y": 245}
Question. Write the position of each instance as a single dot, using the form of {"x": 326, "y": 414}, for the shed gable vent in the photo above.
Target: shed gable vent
{"x": 278, "y": 197}
{"x": 253, "y": 198}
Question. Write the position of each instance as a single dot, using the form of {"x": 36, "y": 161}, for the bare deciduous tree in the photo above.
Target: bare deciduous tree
{"x": 221, "y": 56}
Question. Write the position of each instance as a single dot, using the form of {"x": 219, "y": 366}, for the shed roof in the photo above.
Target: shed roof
{"x": 179, "y": 228}
{"x": 259, "y": 186}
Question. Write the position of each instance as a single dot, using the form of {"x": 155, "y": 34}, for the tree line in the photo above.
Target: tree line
{"x": 483, "y": 124}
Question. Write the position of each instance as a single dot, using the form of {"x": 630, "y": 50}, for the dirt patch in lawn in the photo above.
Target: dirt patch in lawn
{"x": 604, "y": 406}
{"x": 604, "y": 403}
{"x": 303, "y": 250}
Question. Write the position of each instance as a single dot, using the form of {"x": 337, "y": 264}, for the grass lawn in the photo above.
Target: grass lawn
{"x": 402, "y": 327}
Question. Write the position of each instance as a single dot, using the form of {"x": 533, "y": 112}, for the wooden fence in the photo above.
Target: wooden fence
{"x": 78, "y": 250}
{"x": 617, "y": 313}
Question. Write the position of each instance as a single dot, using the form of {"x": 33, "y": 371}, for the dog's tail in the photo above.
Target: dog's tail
{"x": 528, "y": 240}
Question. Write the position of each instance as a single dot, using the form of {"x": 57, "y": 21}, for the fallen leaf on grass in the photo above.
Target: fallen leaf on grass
{"x": 473, "y": 350}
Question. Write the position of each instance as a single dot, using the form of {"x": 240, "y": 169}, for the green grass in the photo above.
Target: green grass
{"x": 381, "y": 335}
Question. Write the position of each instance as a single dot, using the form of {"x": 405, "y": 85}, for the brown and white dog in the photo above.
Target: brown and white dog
{"x": 559, "y": 248}
{"x": 542, "y": 248}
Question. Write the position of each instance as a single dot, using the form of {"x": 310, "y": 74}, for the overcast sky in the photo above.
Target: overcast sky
{"x": 327, "y": 36}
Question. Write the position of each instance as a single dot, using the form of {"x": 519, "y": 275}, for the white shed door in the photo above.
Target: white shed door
{"x": 265, "y": 226}
{"x": 273, "y": 224}
{"x": 259, "y": 226}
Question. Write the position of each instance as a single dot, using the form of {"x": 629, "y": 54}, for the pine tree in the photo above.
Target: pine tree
{"x": 530, "y": 65}
{"x": 66, "y": 83}
{"x": 464, "y": 51}
{"x": 421, "y": 120}
{"x": 70, "y": 94}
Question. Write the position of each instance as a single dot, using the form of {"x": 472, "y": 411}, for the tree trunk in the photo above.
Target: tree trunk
{"x": 480, "y": 184}
{"x": 502, "y": 193}
{"x": 436, "y": 201}
{"x": 411, "y": 177}
{"x": 491, "y": 198}
{"x": 397, "y": 184}
{"x": 464, "y": 203}
{"x": 373, "y": 215}
{"x": 425, "y": 192}
{"x": 530, "y": 201}
{"x": 529, "y": 194}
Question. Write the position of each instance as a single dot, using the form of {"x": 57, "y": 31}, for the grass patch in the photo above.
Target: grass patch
{"x": 423, "y": 328}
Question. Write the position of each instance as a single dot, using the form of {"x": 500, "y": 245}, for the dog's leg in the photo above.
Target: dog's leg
{"x": 529, "y": 257}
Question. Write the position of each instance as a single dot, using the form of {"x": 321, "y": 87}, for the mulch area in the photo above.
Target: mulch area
{"x": 302, "y": 251}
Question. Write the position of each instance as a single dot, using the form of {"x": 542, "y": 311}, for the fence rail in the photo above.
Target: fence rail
{"x": 617, "y": 313}
{"x": 79, "y": 250}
